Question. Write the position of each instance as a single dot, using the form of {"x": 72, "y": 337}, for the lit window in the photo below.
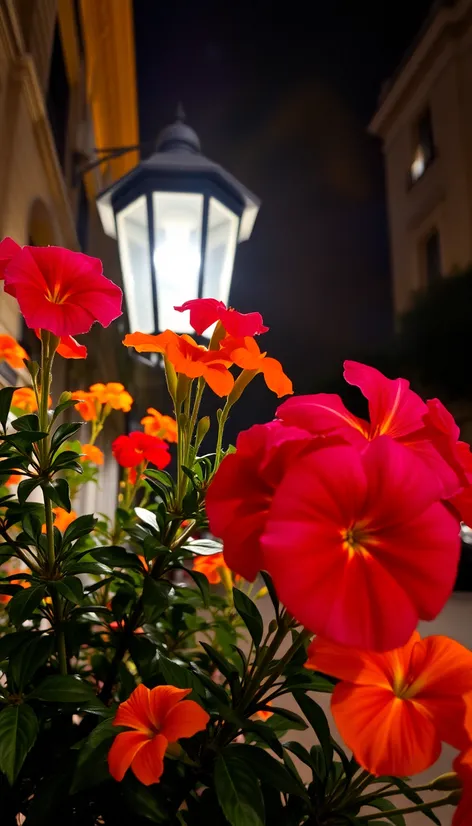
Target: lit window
{"x": 418, "y": 166}
{"x": 424, "y": 152}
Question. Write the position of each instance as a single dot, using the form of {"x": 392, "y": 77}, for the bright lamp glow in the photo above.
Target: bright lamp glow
{"x": 177, "y": 254}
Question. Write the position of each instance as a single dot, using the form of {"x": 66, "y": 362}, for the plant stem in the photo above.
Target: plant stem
{"x": 221, "y": 428}
{"x": 433, "y": 804}
{"x": 47, "y": 356}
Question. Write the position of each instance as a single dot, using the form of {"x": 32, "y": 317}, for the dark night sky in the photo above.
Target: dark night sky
{"x": 282, "y": 99}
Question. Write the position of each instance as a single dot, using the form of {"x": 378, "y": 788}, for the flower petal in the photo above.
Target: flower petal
{"x": 218, "y": 377}
{"x": 240, "y": 325}
{"x": 323, "y": 413}
{"x": 355, "y": 665}
{"x": 203, "y": 312}
{"x": 387, "y": 735}
{"x": 371, "y": 594}
{"x": 275, "y": 378}
{"x": 394, "y": 409}
{"x": 184, "y": 720}
{"x": 463, "y": 767}
{"x": 446, "y": 679}
{"x": 135, "y": 711}
{"x": 148, "y": 764}
{"x": 124, "y": 749}
{"x": 69, "y": 348}
{"x": 162, "y": 699}
{"x": 8, "y": 249}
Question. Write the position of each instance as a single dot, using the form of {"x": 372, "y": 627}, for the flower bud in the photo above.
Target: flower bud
{"x": 65, "y": 397}
{"x": 446, "y": 782}
{"x": 202, "y": 429}
{"x": 240, "y": 385}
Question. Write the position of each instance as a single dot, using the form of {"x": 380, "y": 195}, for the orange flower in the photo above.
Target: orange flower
{"x": 246, "y": 353}
{"x": 393, "y": 709}
{"x": 87, "y": 405}
{"x": 264, "y": 714}
{"x": 158, "y": 717}
{"x": 12, "y": 352}
{"x": 188, "y": 358}
{"x": 63, "y": 519}
{"x": 212, "y": 566}
{"x": 9, "y": 570}
{"x": 24, "y": 399}
{"x": 113, "y": 394}
{"x": 156, "y": 424}
{"x": 463, "y": 767}
{"x": 15, "y": 479}
{"x": 91, "y": 453}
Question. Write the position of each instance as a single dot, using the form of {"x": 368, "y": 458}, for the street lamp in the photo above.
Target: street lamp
{"x": 178, "y": 218}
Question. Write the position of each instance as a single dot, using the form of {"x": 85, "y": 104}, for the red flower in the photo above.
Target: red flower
{"x": 463, "y": 767}
{"x": 158, "y": 717}
{"x": 206, "y": 311}
{"x": 59, "y": 290}
{"x": 394, "y": 709}
{"x": 240, "y": 495}
{"x": 133, "y": 450}
{"x": 394, "y": 410}
{"x": 358, "y": 544}
{"x": 69, "y": 348}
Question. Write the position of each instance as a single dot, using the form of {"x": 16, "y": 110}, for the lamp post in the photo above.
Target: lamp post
{"x": 177, "y": 217}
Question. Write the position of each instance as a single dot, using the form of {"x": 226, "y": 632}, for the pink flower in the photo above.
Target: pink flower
{"x": 358, "y": 545}
{"x": 239, "y": 497}
{"x": 59, "y": 290}
{"x": 395, "y": 411}
{"x": 206, "y": 311}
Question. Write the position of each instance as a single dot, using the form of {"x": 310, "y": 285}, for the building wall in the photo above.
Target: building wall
{"x": 438, "y": 75}
{"x": 44, "y": 199}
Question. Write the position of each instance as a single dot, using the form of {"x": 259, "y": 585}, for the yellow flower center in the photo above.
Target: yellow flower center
{"x": 55, "y": 296}
{"x": 355, "y": 538}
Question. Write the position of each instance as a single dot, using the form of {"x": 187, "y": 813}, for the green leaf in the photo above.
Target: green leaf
{"x": 250, "y": 615}
{"x": 67, "y": 459}
{"x": 297, "y": 722}
{"x": 271, "y": 590}
{"x": 385, "y": 806}
{"x": 155, "y": 599}
{"x": 5, "y": 403}
{"x": 180, "y": 677}
{"x": 144, "y": 803}
{"x": 63, "y": 689}
{"x": 25, "y": 602}
{"x": 58, "y": 492}
{"x": 18, "y": 732}
{"x": 116, "y": 557}
{"x": 81, "y": 526}
{"x": 238, "y": 791}
{"x": 414, "y": 797}
{"x": 62, "y": 433}
{"x": 201, "y": 582}
{"x": 25, "y": 488}
{"x": 71, "y": 588}
{"x": 32, "y": 655}
{"x": 268, "y": 769}
{"x": 28, "y": 422}
{"x": 92, "y": 765}
{"x": 63, "y": 406}
{"x": 317, "y": 719}
{"x": 204, "y": 547}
